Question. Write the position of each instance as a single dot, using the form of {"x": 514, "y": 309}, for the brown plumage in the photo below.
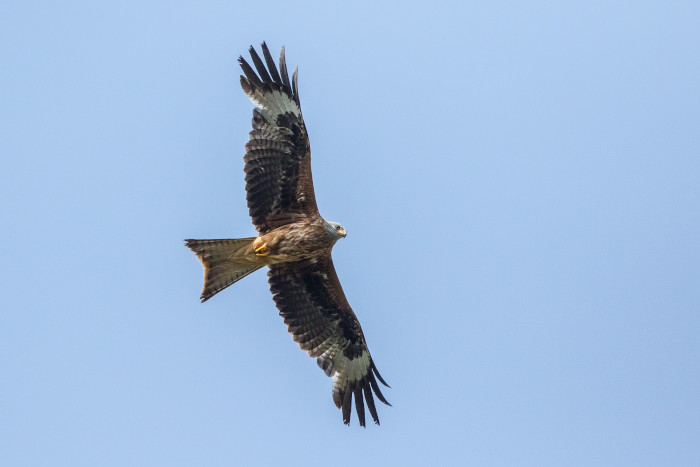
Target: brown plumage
{"x": 293, "y": 240}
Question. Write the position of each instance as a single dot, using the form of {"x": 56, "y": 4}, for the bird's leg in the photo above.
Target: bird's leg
{"x": 260, "y": 247}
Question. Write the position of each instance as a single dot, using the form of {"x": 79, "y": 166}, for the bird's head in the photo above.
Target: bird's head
{"x": 336, "y": 230}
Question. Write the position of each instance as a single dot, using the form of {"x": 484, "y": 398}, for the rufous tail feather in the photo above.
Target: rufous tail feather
{"x": 223, "y": 262}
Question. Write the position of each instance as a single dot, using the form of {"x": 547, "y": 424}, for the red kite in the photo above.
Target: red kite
{"x": 293, "y": 240}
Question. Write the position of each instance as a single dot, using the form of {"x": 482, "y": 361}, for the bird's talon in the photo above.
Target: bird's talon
{"x": 261, "y": 249}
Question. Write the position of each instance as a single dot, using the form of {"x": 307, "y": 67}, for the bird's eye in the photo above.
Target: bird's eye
{"x": 337, "y": 227}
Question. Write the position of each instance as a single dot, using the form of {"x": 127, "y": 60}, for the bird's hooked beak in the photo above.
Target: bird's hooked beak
{"x": 343, "y": 233}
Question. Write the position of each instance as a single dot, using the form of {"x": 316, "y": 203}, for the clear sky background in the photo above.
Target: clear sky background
{"x": 521, "y": 186}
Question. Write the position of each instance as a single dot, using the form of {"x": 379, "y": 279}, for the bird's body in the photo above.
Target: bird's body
{"x": 297, "y": 241}
{"x": 293, "y": 240}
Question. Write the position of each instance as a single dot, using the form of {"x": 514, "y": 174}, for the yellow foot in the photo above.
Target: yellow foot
{"x": 260, "y": 247}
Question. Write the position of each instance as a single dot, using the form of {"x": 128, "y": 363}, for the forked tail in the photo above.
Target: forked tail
{"x": 221, "y": 267}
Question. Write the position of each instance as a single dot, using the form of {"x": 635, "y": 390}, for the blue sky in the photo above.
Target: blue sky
{"x": 520, "y": 182}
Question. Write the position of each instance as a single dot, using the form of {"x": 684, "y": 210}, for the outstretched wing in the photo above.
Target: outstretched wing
{"x": 278, "y": 156}
{"x": 311, "y": 301}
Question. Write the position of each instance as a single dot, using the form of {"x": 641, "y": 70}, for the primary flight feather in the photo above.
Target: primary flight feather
{"x": 293, "y": 240}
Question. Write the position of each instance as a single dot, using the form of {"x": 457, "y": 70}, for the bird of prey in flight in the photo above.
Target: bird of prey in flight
{"x": 293, "y": 240}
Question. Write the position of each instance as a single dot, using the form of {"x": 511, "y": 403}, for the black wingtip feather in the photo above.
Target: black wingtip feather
{"x": 267, "y": 75}
{"x": 249, "y": 73}
{"x": 245, "y": 84}
{"x": 379, "y": 377}
{"x": 262, "y": 71}
{"x": 359, "y": 405}
{"x": 295, "y": 88}
{"x": 370, "y": 403}
{"x": 375, "y": 388}
{"x": 347, "y": 406}
{"x": 271, "y": 64}
{"x": 362, "y": 391}
{"x": 284, "y": 74}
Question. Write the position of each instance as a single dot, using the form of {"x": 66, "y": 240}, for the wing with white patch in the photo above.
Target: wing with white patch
{"x": 279, "y": 186}
{"x": 311, "y": 301}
